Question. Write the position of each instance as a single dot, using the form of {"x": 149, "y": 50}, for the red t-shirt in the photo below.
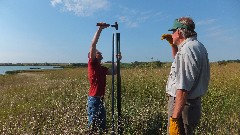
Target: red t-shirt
{"x": 97, "y": 78}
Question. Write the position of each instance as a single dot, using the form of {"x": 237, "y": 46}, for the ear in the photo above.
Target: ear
{"x": 180, "y": 34}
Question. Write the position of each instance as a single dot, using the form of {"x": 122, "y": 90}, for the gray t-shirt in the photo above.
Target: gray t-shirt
{"x": 190, "y": 70}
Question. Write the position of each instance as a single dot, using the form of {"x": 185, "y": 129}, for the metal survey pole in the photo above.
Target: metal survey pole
{"x": 112, "y": 132}
{"x": 118, "y": 84}
{"x": 116, "y": 27}
{"x": 118, "y": 72}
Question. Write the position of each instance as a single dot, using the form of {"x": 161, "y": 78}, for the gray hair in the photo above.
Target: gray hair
{"x": 186, "y": 33}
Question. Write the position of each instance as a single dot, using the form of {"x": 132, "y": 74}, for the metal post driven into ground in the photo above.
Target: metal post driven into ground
{"x": 118, "y": 84}
{"x": 112, "y": 132}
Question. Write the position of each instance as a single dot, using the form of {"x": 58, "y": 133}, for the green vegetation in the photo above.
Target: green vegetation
{"x": 21, "y": 71}
{"x": 54, "y": 102}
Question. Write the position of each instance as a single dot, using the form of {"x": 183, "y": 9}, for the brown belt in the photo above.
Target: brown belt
{"x": 194, "y": 98}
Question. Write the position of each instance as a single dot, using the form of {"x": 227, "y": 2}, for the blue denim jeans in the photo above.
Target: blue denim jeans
{"x": 96, "y": 113}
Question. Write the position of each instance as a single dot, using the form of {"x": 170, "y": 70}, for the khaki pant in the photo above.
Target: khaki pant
{"x": 191, "y": 115}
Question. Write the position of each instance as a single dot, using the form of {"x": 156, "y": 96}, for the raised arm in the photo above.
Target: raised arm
{"x": 93, "y": 48}
{"x": 174, "y": 50}
{"x": 168, "y": 37}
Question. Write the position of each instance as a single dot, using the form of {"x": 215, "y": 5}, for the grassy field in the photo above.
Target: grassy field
{"x": 54, "y": 102}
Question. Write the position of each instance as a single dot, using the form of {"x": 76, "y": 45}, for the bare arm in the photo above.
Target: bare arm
{"x": 180, "y": 101}
{"x": 174, "y": 50}
{"x": 93, "y": 47}
{"x": 169, "y": 38}
{"x": 94, "y": 43}
{"x": 109, "y": 72}
{"x": 119, "y": 56}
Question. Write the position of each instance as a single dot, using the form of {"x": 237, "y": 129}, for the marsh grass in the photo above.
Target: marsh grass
{"x": 54, "y": 102}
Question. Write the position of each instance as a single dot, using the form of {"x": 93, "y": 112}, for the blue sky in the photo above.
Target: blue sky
{"x": 62, "y": 30}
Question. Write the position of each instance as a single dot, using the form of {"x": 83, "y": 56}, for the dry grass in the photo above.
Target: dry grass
{"x": 54, "y": 102}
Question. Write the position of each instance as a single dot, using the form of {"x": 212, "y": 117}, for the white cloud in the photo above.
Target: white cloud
{"x": 127, "y": 21}
{"x": 206, "y": 22}
{"x": 130, "y": 17}
{"x": 55, "y": 2}
{"x": 220, "y": 35}
{"x": 82, "y": 7}
{"x": 133, "y": 18}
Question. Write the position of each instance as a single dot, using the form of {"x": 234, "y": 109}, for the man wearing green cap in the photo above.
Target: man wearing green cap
{"x": 189, "y": 77}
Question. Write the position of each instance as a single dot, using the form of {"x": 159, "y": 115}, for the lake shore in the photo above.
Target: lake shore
{"x": 5, "y": 70}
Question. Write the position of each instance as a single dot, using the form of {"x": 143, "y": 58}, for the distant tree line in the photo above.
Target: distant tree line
{"x": 224, "y": 62}
{"x": 152, "y": 64}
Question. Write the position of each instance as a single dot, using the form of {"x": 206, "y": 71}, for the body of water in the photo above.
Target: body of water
{"x": 3, "y": 69}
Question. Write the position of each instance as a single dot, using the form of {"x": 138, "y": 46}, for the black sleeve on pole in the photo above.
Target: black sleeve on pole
{"x": 118, "y": 85}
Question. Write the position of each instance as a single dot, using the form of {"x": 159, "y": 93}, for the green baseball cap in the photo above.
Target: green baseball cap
{"x": 177, "y": 24}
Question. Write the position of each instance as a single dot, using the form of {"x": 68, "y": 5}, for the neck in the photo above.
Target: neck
{"x": 180, "y": 40}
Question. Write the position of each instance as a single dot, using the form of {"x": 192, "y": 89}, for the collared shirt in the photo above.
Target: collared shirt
{"x": 97, "y": 78}
{"x": 190, "y": 70}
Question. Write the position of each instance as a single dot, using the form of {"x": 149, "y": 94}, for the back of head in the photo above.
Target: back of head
{"x": 97, "y": 52}
{"x": 190, "y": 26}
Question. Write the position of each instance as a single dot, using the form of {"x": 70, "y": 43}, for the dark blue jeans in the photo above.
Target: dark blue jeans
{"x": 96, "y": 113}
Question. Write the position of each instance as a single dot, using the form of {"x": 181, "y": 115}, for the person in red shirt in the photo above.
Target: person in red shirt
{"x": 97, "y": 78}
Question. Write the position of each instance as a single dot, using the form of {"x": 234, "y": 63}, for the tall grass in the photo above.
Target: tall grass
{"x": 54, "y": 102}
